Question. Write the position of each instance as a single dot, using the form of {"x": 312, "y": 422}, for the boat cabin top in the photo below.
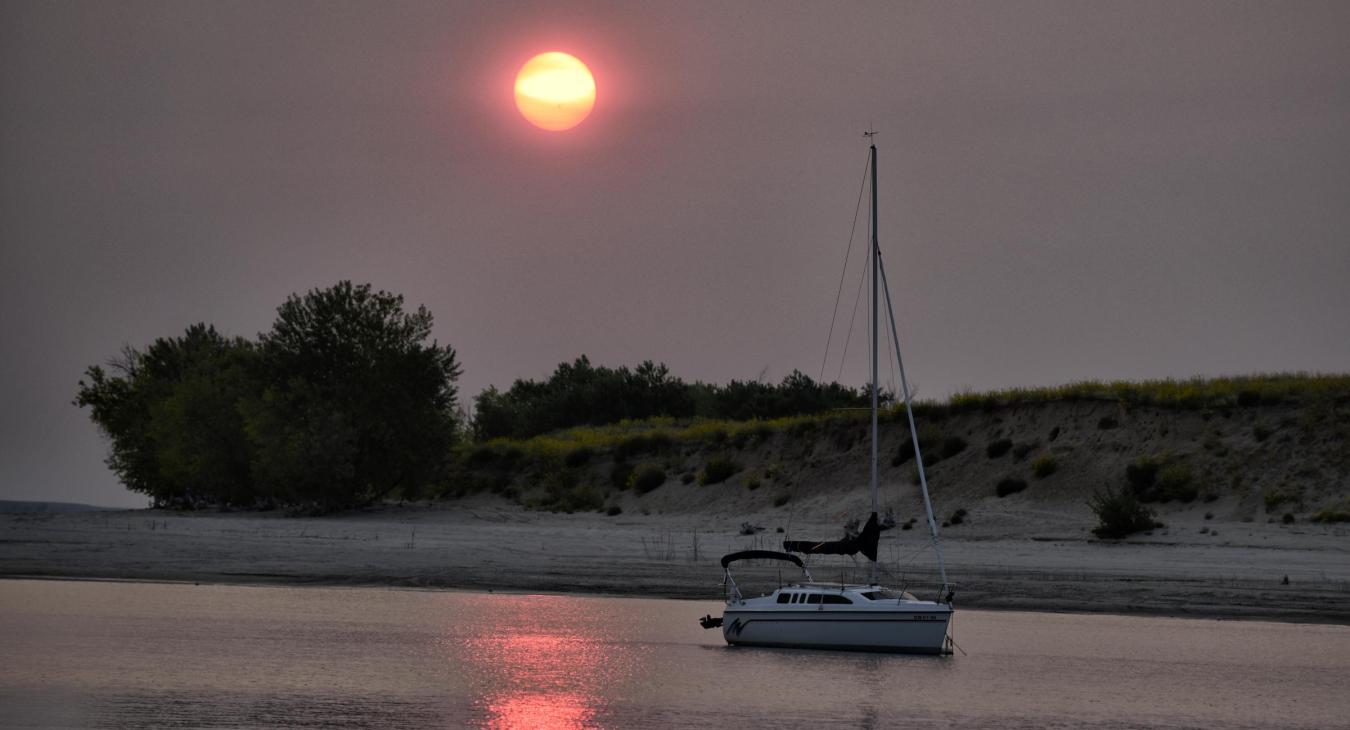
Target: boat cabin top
{"x": 826, "y": 594}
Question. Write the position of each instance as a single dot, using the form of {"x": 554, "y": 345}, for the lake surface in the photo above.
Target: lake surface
{"x": 137, "y": 655}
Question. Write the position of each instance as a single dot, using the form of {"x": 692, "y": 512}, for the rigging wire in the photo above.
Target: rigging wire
{"x": 847, "y": 253}
{"x": 862, "y": 279}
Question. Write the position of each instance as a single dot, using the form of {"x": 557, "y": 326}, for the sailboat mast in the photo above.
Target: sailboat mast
{"x": 876, "y": 255}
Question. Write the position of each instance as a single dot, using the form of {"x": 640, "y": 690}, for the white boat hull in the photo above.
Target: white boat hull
{"x": 907, "y": 631}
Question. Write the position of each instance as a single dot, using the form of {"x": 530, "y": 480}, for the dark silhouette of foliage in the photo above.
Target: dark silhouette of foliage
{"x": 998, "y": 447}
{"x": 1120, "y": 513}
{"x": 647, "y": 478}
{"x": 579, "y": 393}
{"x": 170, "y": 415}
{"x": 1009, "y": 485}
{"x": 952, "y": 445}
{"x": 341, "y": 404}
{"x": 718, "y": 470}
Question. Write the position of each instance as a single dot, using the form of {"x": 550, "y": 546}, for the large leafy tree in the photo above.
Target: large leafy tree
{"x": 170, "y": 414}
{"x": 357, "y": 401}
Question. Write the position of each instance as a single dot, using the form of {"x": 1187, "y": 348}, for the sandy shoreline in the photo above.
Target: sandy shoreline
{"x": 485, "y": 544}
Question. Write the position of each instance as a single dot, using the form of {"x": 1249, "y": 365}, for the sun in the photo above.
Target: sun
{"x": 555, "y": 91}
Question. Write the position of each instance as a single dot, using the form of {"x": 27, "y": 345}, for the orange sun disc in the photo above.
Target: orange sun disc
{"x": 555, "y": 91}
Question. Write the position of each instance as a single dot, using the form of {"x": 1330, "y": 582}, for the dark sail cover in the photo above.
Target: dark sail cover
{"x": 759, "y": 555}
{"x": 864, "y": 542}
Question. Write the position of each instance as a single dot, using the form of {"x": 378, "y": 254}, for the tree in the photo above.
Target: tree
{"x": 170, "y": 413}
{"x": 356, "y": 402}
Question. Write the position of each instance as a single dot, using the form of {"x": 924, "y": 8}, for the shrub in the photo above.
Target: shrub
{"x": 1176, "y": 482}
{"x": 1020, "y": 451}
{"x": 614, "y": 509}
{"x": 931, "y": 443}
{"x": 951, "y": 446}
{"x": 751, "y": 482}
{"x": 687, "y": 478}
{"x": 1044, "y": 465}
{"x": 1260, "y": 433}
{"x": 1107, "y": 423}
{"x": 1054, "y": 434}
{"x": 1009, "y": 485}
{"x": 1143, "y": 476}
{"x": 578, "y": 457}
{"x": 1288, "y": 518}
{"x": 1120, "y": 513}
{"x": 619, "y": 474}
{"x": 563, "y": 493}
{"x": 1276, "y": 497}
{"x": 957, "y": 517}
{"x": 843, "y": 437}
{"x": 581, "y": 499}
{"x": 717, "y": 470}
{"x": 647, "y": 478}
{"x": 998, "y": 448}
{"x": 781, "y": 500}
{"x": 1329, "y": 515}
{"x": 642, "y": 444}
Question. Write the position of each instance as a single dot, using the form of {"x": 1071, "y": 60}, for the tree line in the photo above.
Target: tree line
{"x": 347, "y": 400}
{"x": 579, "y": 393}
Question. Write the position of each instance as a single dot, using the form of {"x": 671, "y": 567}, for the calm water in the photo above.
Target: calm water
{"x": 127, "y": 655}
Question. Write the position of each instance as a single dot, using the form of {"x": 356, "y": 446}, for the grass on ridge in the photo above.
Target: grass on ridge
{"x": 653, "y": 434}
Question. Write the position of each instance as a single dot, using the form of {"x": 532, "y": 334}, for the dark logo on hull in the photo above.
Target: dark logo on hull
{"x": 734, "y": 628}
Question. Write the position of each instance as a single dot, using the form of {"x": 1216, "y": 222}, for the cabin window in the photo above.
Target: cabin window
{"x": 796, "y": 598}
{"x": 831, "y": 598}
{"x": 784, "y": 597}
{"x": 813, "y": 598}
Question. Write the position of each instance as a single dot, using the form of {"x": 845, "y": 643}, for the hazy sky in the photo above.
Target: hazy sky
{"x": 1068, "y": 190}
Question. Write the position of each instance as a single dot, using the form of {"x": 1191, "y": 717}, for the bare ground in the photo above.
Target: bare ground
{"x": 1008, "y": 555}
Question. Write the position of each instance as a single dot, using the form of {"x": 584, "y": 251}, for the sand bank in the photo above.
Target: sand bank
{"x": 1040, "y": 560}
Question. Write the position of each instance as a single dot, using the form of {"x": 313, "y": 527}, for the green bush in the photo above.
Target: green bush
{"x": 1009, "y": 485}
{"x": 781, "y": 499}
{"x": 578, "y": 457}
{"x": 717, "y": 470}
{"x": 957, "y": 517}
{"x": 998, "y": 448}
{"x": 1120, "y": 513}
{"x": 951, "y": 446}
{"x": 751, "y": 482}
{"x": 1044, "y": 465}
{"x": 654, "y": 442}
{"x": 1176, "y": 482}
{"x": 1142, "y": 476}
{"x": 1288, "y": 518}
{"x": 564, "y": 493}
{"x": 1329, "y": 515}
{"x": 647, "y": 478}
{"x": 619, "y": 474}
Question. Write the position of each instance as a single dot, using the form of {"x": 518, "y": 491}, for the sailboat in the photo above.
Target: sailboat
{"x": 844, "y": 616}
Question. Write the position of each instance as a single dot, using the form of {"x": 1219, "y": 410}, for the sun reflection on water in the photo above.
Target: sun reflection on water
{"x": 543, "y": 663}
